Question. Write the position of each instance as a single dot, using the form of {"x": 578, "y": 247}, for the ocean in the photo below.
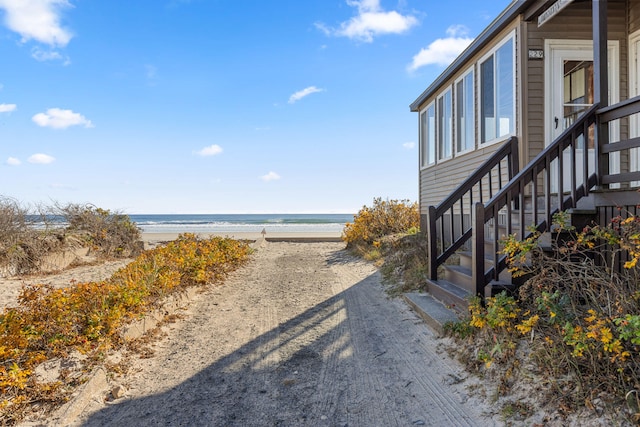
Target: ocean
{"x": 241, "y": 223}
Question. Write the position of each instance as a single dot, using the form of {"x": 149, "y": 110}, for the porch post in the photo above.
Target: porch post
{"x": 601, "y": 83}
{"x": 477, "y": 254}
{"x": 432, "y": 243}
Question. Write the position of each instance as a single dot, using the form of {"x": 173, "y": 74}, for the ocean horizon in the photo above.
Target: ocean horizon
{"x": 241, "y": 223}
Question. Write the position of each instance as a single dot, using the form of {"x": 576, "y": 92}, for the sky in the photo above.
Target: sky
{"x": 220, "y": 106}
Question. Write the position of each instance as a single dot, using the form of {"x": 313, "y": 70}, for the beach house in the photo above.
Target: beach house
{"x": 537, "y": 115}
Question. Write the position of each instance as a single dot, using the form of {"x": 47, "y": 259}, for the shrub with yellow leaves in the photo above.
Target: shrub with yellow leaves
{"x": 88, "y": 317}
{"x": 579, "y": 315}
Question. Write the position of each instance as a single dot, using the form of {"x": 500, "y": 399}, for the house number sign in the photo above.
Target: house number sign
{"x": 536, "y": 54}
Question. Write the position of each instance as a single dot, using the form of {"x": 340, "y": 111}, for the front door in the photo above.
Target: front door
{"x": 570, "y": 73}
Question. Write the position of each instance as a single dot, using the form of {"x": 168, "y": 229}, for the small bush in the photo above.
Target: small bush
{"x": 110, "y": 233}
{"x": 22, "y": 246}
{"x": 384, "y": 218}
{"x": 388, "y": 233}
{"x": 577, "y": 317}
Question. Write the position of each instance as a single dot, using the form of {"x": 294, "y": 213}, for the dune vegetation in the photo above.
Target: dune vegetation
{"x": 88, "y": 318}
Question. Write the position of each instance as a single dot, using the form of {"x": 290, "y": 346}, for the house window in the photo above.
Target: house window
{"x": 497, "y": 93}
{"x": 465, "y": 117}
{"x": 445, "y": 125}
{"x": 428, "y": 136}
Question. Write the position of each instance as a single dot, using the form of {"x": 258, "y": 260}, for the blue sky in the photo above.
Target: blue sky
{"x": 220, "y": 106}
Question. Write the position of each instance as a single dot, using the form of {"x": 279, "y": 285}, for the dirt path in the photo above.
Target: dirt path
{"x": 302, "y": 336}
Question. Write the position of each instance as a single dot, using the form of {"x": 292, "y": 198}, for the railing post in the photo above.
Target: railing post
{"x": 515, "y": 158}
{"x": 432, "y": 243}
{"x": 514, "y": 168}
{"x": 601, "y": 84}
{"x": 477, "y": 257}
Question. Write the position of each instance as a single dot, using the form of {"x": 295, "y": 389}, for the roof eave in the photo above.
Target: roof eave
{"x": 505, "y": 18}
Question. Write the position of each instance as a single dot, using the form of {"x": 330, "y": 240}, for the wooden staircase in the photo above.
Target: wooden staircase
{"x": 496, "y": 198}
{"x": 456, "y": 285}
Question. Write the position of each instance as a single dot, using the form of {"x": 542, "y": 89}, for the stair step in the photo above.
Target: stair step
{"x": 496, "y": 286}
{"x": 466, "y": 261}
{"x": 459, "y": 275}
{"x": 450, "y": 294}
{"x": 466, "y": 258}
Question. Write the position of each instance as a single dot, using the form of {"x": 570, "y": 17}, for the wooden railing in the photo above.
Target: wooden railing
{"x": 563, "y": 173}
{"x": 449, "y": 224}
{"x": 550, "y": 183}
{"x": 605, "y": 116}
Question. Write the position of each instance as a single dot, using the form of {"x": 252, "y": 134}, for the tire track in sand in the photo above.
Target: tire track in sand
{"x": 302, "y": 336}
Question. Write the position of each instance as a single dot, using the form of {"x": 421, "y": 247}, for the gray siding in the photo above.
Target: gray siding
{"x": 634, "y": 16}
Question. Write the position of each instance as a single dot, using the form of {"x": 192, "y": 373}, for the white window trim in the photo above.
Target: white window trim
{"x": 470, "y": 70}
{"x": 435, "y": 147}
{"x": 510, "y": 36}
{"x": 438, "y": 127}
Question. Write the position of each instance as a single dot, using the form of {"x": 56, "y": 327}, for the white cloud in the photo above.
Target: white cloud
{"x": 211, "y": 150}
{"x": 12, "y": 161}
{"x": 49, "y": 55}
{"x": 302, "y": 93}
{"x": 57, "y": 118}
{"x": 7, "y": 108}
{"x": 371, "y": 21}
{"x": 37, "y": 19}
{"x": 271, "y": 176}
{"x": 41, "y": 159}
{"x": 409, "y": 145}
{"x": 443, "y": 51}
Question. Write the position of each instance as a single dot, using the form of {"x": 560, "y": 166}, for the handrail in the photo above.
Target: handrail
{"x": 509, "y": 152}
{"x": 621, "y": 109}
{"x": 509, "y": 148}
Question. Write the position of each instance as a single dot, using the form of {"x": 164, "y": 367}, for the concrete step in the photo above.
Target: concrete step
{"x": 432, "y": 311}
{"x": 449, "y": 294}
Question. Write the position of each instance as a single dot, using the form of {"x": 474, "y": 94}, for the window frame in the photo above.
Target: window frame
{"x": 479, "y": 104}
{"x": 424, "y": 142}
{"x": 440, "y": 118}
{"x": 470, "y": 72}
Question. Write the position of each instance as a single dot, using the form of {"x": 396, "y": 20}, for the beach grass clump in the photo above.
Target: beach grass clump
{"x": 51, "y": 323}
{"x": 28, "y": 235}
{"x": 22, "y": 246}
{"x": 111, "y": 234}
{"x": 575, "y": 321}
